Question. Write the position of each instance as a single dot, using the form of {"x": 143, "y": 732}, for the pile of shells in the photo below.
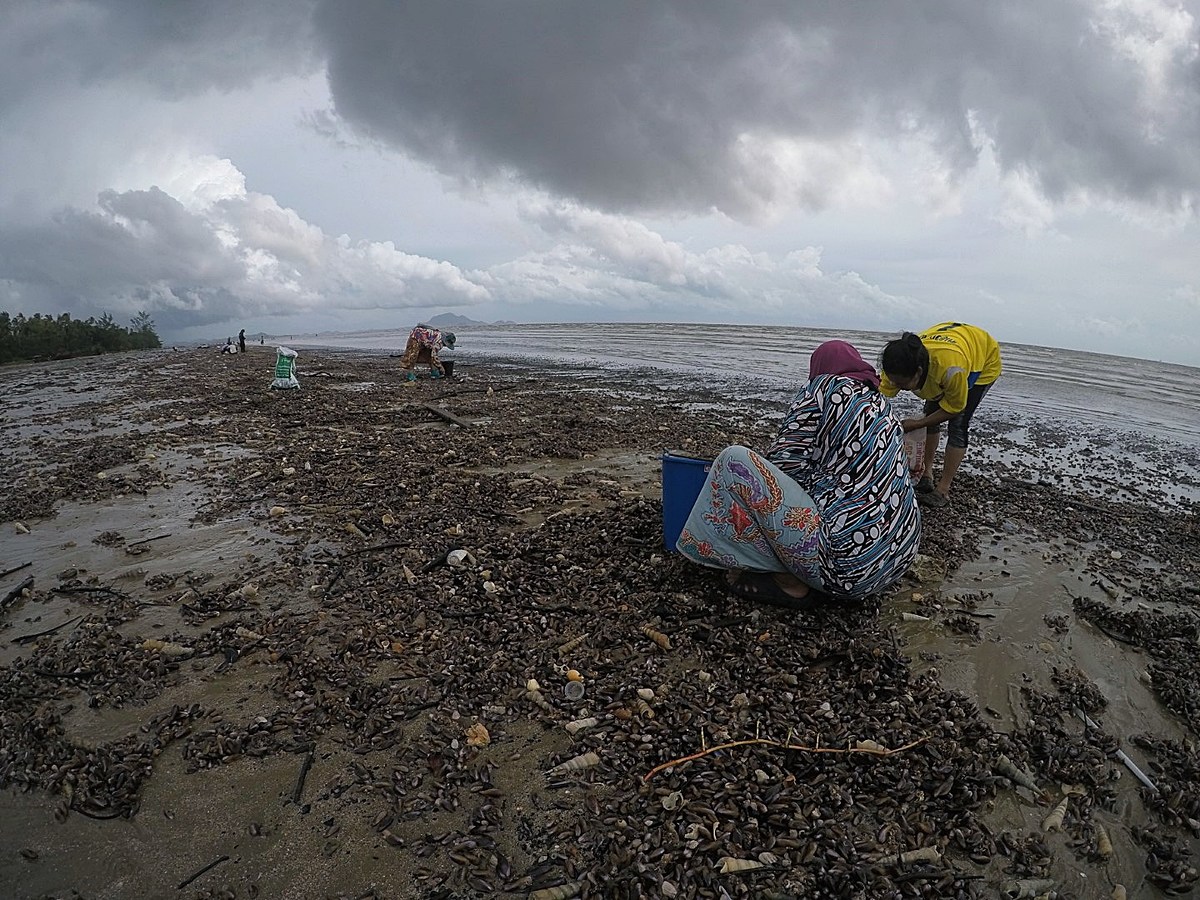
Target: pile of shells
{"x": 438, "y": 586}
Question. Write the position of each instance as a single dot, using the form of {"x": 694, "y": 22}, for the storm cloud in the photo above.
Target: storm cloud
{"x": 688, "y": 105}
{"x": 1032, "y": 167}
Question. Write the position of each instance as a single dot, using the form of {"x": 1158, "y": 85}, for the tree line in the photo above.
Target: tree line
{"x": 46, "y": 337}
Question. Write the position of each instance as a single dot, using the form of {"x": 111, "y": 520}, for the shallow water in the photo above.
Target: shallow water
{"x": 1126, "y": 395}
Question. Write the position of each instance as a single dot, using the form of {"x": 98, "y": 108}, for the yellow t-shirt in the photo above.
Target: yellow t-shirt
{"x": 960, "y": 357}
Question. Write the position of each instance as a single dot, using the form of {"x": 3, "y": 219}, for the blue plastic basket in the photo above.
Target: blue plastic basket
{"x": 683, "y": 478}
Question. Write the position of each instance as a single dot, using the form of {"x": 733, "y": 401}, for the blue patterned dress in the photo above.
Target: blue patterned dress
{"x": 831, "y": 501}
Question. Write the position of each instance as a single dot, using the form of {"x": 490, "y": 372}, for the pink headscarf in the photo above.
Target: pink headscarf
{"x": 840, "y": 358}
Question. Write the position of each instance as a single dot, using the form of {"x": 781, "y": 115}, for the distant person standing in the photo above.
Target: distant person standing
{"x": 242, "y": 341}
{"x": 950, "y": 366}
{"x": 424, "y": 344}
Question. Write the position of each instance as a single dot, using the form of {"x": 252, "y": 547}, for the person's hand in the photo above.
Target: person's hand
{"x": 910, "y": 425}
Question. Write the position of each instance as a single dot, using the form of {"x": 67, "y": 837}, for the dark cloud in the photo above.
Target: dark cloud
{"x": 648, "y": 106}
{"x": 178, "y": 49}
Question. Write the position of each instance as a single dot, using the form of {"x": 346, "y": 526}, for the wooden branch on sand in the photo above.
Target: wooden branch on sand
{"x": 8, "y": 572}
{"x": 16, "y": 592}
{"x": 447, "y": 415}
{"x": 782, "y": 745}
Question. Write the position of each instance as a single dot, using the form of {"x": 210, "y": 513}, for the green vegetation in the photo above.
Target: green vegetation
{"x": 45, "y": 337}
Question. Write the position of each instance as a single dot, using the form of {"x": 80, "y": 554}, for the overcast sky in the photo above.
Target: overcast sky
{"x": 1031, "y": 166}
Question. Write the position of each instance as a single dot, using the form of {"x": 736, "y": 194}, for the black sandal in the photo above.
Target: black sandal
{"x": 761, "y": 587}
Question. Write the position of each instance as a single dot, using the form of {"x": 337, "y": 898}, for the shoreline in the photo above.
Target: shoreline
{"x": 381, "y": 661}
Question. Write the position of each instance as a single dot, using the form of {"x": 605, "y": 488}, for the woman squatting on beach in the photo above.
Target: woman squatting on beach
{"x": 950, "y": 366}
{"x": 828, "y": 508}
{"x": 424, "y": 344}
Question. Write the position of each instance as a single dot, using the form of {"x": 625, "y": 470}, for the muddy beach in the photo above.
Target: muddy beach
{"x": 243, "y": 660}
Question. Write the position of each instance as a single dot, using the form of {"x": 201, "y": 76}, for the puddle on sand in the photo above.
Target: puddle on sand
{"x": 66, "y": 542}
{"x": 240, "y": 693}
{"x": 1017, "y": 648}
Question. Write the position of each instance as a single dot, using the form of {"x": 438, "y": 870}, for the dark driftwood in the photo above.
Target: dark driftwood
{"x": 16, "y": 592}
{"x": 157, "y": 537}
{"x": 212, "y": 865}
{"x": 28, "y": 638}
{"x": 8, "y": 572}
{"x": 447, "y": 415}
{"x": 298, "y": 791}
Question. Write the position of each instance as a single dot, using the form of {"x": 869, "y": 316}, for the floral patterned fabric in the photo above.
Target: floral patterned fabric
{"x": 831, "y": 500}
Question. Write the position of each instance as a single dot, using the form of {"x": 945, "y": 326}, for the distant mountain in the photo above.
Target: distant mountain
{"x": 453, "y": 320}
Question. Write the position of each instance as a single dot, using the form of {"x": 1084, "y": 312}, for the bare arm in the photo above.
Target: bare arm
{"x": 937, "y": 417}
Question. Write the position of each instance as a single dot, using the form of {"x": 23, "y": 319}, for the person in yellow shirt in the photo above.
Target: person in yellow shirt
{"x": 950, "y": 366}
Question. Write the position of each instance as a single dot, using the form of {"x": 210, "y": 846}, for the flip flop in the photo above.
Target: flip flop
{"x": 761, "y": 587}
{"x": 933, "y": 500}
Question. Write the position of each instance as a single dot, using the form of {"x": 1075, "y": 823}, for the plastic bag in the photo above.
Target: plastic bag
{"x": 285, "y": 368}
{"x": 914, "y": 446}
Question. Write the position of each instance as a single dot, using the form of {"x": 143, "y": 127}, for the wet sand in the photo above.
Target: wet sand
{"x": 293, "y": 543}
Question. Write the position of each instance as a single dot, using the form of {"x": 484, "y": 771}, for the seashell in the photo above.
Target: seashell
{"x": 871, "y": 746}
{"x": 454, "y": 530}
{"x": 351, "y": 528}
{"x": 477, "y": 735}
{"x": 642, "y": 708}
{"x": 409, "y": 576}
{"x": 289, "y": 470}
{"x": 908, "y": 857}
{"x": 532, "y": 685}
{"x": 459, "y": 558}
{"x": 672, "y": 801}
{"x": 1009, "y": 770}
{"x": 1028, "y": 887}
{"x": 704, "y": 677}
{"x": 657, "y": 636}
{"x": 1054, "y": 821}
{"x": 730, "y": 865}
{"x": 573, "y": 690}
{"x": 490, "y": 587}
{"x": 767, "y": 858}
{"x": 581, "y": 724}
{"x": 573, "y": 675}
{"x": 570, "y": 645}
{"x": 1073, "y": 790}
{"x": 538, "y": 700}
{"x": 21, "y": 528}
{"x": 913, "y": 617}
{"x": 277, "y": 511}
{"x": 249, "y": 591}
{"x": 576, "y": 764}
{"x": 623, "y": 713}
{"x": 740, "y": 701}
{"x": 1104, "y": 847}
{"x": 247, "y": 634}
{"x": 563, "y": 891}
{"x": 169, "y": 649}
{"x": 1118, "y": 892}
{"x": 646, "y": 694}
{"x": 387, "y": 519}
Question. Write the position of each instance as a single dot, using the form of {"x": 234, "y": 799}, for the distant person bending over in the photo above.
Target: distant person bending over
{"x": 830, "y": 506}
{"x": 423, "y": 346}
{"x": 949, "y": 366}
{"x": 242, "y": 341}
